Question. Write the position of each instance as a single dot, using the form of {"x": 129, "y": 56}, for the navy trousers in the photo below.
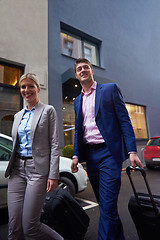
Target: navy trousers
{"x": 105, "y": 177}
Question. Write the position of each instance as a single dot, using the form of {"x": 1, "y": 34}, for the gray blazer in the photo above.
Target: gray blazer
{"x": 44, "y": 141}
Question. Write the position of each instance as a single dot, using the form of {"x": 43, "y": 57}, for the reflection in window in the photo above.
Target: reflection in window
{"x": 138, "y": 119}
{"x": 10, "y": 100}
{"x": 4, "y": 154}
{"x": 10, "y": 103}
{"x": 5, "y": 148}
{"x": 5, "y": 142}
{"x": 74, "y": 46}
{"x": 68, "y": 48}
{"x": 68, "y": 122}
{"x": 71, "y": 45}
{"x": 10, "y": 75}
{"x": 90, "y": 52}
{"x": 71, "y": 89}
{"x": 154, "y": 142}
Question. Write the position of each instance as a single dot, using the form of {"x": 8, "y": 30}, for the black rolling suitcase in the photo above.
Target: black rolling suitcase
{"x": 144, "y": 209}
{"x": 64, "y": 214}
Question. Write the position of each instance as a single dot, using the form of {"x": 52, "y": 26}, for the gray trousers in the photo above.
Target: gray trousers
{"x": 26, "y": 195}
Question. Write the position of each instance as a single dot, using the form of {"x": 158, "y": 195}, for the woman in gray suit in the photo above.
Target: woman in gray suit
{"x": 33, "y": 168}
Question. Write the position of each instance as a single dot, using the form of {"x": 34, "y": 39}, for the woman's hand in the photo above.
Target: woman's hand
{"x": 52, "y": 184}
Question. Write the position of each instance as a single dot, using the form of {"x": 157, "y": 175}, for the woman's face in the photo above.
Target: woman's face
{"x": 29, "y": 91}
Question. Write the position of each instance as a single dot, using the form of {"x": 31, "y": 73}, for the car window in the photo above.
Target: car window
{"x": 6, "y": 143}
{"x": 154, "y": 142}
{"x": 4, "y": 154}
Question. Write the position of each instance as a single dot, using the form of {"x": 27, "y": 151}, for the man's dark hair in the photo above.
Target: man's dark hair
{"x": 82, "y": 60}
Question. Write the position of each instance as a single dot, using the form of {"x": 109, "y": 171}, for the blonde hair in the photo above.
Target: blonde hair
{"x": 31, "y": 76}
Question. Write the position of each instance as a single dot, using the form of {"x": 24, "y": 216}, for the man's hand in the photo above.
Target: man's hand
{"x": 135, "y": 161}
{"x": 74, "y": 167}
{"x": 52, "y": 184}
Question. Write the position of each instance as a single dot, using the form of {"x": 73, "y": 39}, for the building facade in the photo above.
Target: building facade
{"x": 120, "y": 38}
{"x": 23, "y": 48}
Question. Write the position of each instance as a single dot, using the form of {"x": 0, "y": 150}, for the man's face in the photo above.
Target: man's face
{"x": 84, "y": 73}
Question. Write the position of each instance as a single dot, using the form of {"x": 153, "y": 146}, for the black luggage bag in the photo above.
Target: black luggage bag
{"x": 144, "y": 209}
{"x": 65, "y": 215}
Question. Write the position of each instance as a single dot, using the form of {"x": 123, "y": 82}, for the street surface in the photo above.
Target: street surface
{"x": 88, "y": 202}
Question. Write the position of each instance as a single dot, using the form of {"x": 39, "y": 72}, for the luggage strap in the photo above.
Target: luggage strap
{"x": 128, "y": 171}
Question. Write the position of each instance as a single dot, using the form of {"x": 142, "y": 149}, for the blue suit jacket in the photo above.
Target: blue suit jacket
{"x": 113, "y": 122}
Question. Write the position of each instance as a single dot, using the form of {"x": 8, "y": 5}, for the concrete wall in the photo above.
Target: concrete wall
{"x": 24, "y": 37}
{"x": 129, "y": 54}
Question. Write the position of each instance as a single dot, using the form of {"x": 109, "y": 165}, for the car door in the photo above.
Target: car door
{"x": 4, "y": 159}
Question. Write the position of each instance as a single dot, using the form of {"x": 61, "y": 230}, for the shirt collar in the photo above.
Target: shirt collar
{"x": 92, "y": 88}
{"x": 26, "y": 109}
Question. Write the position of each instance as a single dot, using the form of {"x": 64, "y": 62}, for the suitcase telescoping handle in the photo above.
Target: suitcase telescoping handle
{"x": 128, "y": 171}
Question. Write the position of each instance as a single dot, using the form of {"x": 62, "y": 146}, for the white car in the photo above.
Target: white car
{"x": 73, "y": 182}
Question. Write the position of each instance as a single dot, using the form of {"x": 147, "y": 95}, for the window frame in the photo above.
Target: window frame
{"x": 84, "y": 38}
{"x": 11, "y": 64}
{"x": 144, "y": 107}
{"x": 16, "y": 65}
{"x": 10, "y": 88}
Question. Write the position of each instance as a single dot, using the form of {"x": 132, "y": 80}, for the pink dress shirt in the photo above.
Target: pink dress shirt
{"x": 92, "y": 134}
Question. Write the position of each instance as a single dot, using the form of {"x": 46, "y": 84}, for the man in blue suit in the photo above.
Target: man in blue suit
{"x": 104, "y": 138}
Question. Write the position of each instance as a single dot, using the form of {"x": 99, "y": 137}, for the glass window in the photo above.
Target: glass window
{"x": 153, "y": 142}
{"x": 138, "y": 119}
{"x": 5, "y": 148}
{"x": 71, "y": 89}
{"x": 10, "y": 100}
{"x": 88, "y": 53}
{"x": 91, "y": 53}
{"x": 71, "y": 45}
{"x": 10, "y": 103}
{"x": 10, "y": 75}
{"x": 4, "y": 154}
{"x": 76, "y": 47}
{"x": 68, "y": 121}
{"x": 6, "y": 143}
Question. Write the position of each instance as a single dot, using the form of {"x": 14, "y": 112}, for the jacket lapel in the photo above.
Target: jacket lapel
{"x": 16, "y": 123}
{"x": 38, "y": 111}
{"x": 78, "y": 108}
{"x": 80, "y": 117}
{"x": 98, "y": 98}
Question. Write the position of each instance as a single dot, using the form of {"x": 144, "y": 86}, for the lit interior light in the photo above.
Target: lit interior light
{"x": 76, "y": 85}
{"x": 73, "y": 98}
{"x": 14, "y": 83}
{"x": 66, "y": 97}
{"x": 64, "y": 108}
